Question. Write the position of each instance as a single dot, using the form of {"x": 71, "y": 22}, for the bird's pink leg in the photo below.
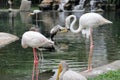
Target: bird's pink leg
{"x": 33, "y": 72}
{"x": 37, "y": 72}
{"x": 91, "y": 51}
{"x": 35, "y": 65}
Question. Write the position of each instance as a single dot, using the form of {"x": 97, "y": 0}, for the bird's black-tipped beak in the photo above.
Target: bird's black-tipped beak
{"x": 64, "y": 30}
{"x": 68, "y": 29}
{"x": 30, "y": 14}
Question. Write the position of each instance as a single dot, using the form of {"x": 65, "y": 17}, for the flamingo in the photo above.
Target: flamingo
{"x": 35, "y": 12}
{"x": 62, "y": 4}
{"x": 64, "y": 73}
{"x": 10, "y": 4}
{"x": 35, "y": 40}
{"x": 87, "y": 22}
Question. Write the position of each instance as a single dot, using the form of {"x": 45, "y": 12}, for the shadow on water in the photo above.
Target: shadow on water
{"x": 16, "y": 63}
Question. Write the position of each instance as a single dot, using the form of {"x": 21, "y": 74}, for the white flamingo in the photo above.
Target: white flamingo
{"x": 35, "y": 12}
{"x": 10, "y": 5}
{"x": 35, "y": 40}
{"x": 64, "y": 73}
{"x": 87, "y": 22}
{"x": 62, "y": 4}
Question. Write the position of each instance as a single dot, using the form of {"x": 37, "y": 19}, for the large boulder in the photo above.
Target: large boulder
{"x": 49, "y": 5}
{"x": 25, "y": 5}
{"x": 6, "y": 38}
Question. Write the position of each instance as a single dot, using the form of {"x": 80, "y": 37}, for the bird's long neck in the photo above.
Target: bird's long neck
{"x": 63, "y": 71}
{"x": 72, "y": 24}
{"x": 67, "y": 22}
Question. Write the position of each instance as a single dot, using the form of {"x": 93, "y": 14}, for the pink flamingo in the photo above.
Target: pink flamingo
{"x": 87, "y": 22}
{"x": 35, "y": 40}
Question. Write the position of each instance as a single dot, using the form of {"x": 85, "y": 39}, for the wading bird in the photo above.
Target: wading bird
{"x": 62, "y": 4}
{"x": 55, "y": 30}
{"x": 87, "y": 22}
{"x": 10, "y": 5}
{"x": 35, "y": 40}
{"x": 65, "y": 74}
{"x": 35, "y": 12}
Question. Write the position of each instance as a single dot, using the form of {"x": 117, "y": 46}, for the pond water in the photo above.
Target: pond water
{"x": 16, "y": 63}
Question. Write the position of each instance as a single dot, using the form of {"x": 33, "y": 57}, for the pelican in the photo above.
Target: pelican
{"x": 64, "y": 73}
{"x": 35, "y": 40}
{"x": 56, "y": 29}
{"x": 87, "y": 22}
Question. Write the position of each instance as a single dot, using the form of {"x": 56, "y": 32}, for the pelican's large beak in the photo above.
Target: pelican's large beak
{"x": 64, "y": 30}
{"x": 59, "y": 71}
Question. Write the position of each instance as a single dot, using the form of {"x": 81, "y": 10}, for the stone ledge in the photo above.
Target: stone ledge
{"x": 102, "y": 69}
{"x": 6, "y": 38}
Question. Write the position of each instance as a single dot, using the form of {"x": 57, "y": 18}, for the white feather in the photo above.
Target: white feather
{"x": 72, "y": 75}
{"x": 35, "y": 39}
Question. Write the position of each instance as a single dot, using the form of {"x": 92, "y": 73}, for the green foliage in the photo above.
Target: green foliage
{"x": 114, "y": 1}
{"x": 17, "y": 2}
{"x": 111, "y": 75}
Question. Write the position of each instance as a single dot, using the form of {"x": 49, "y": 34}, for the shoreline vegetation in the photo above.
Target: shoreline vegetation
{"x": 111, "y": 75}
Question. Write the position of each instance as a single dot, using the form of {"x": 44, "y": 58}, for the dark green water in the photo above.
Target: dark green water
{"x": 16, "y": 63}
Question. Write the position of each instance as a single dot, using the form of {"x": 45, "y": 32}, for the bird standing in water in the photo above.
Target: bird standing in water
{"x": 35, "y": 40}
{"x": 87, "y": 22}
{"x": 64, "y": 73}
{"x": 35, "y": 12}
{"x": 56, "y": 29}
{"x": 10, "y": 5}
{"x": 62, "y": 4}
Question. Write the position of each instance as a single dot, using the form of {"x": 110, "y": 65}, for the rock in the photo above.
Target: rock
{"x": 46, "y": 5}
{"x": 25, "y": 5}
{"x": 102, "y": 69}
{"x": 49, "y": 5}
{"x": 6, "y": 38}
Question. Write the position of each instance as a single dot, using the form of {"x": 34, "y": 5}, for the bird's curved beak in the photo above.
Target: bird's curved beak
{"x": 64, "y": 30}
{"x": 30, "y": 14}
{"x": 59, "y": 71}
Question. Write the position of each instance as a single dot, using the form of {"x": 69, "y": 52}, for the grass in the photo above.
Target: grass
{"x": 111, "y": 75}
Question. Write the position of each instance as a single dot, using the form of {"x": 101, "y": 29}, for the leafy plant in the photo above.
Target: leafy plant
{"x": 112, "y": 75}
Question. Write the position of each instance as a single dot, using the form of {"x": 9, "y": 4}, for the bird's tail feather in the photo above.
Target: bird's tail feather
{"x": 108, "y": 22}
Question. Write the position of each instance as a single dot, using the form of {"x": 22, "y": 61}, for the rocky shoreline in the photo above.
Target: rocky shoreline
{"x": 6, "y": 38}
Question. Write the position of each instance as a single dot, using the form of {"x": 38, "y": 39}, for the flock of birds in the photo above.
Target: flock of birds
{"x": 36, "y": 40}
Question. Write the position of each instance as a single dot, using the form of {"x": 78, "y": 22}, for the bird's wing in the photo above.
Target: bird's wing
{"x": 35, "y": 39}
{"x": 54, "y": 30}
{"x": 91, "y": 20}
{"x": 86, "y": 32}
{"x": 72, "y": 75}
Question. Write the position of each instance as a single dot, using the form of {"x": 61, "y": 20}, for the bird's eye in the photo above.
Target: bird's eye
{"x": 60, "y": 29}
{"x": 68, "y": 28}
